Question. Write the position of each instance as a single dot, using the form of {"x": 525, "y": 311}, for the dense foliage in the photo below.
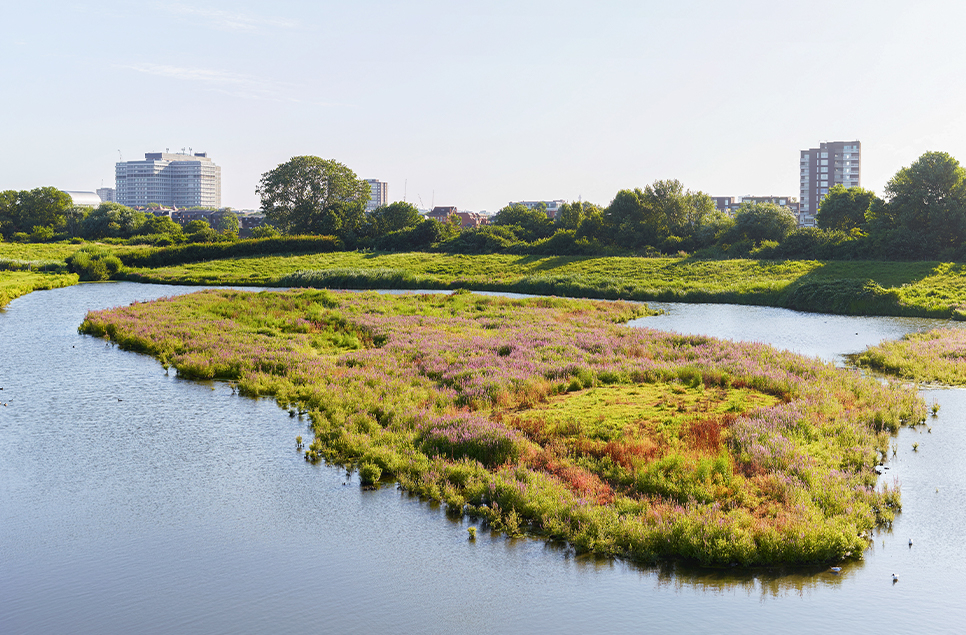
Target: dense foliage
{"x": 546, "y": 416}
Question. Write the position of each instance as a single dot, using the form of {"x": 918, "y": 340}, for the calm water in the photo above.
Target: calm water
{"x": 135, "y": 502}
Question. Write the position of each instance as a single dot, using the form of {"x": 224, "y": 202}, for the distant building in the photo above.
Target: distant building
{"x": 380, "y": 194}
{"x": 551, "y": 207}
{"x": 442, "y": 214}
{"x": 83, "y": 199}
{"x": 832, "y": 163}
{"x": 175, "y": 180}
{"x": 467, "y": 220}
{"x": 730, "y": 204}
{"x": 106, "y": 194}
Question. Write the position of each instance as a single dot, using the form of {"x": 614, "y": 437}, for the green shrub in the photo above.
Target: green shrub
{"x": 94, "y": 263}
{"x": 369, "y": 473}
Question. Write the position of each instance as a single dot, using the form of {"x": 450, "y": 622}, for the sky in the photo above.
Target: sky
{"x": 479, "y": 104}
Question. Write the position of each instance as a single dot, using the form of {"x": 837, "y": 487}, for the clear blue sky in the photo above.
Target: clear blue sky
{"x": 477, "y": 104}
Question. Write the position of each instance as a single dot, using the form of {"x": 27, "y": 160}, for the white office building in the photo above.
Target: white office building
{"x": 832, "y": 163}
{"x": 380, "y": 194}
{"x": 170, "y": 180}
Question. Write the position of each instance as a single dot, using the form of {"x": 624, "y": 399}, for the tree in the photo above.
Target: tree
{"x": 533, "y": 223}
{"x": 227, "y": 223}
{"x": 111, "y": 220}
{"x": 159, "y": 225}
{"x": 391, "y": 218}
{"x": 927, "y": 204}
{"x": 761, "y": 221}
{"x": 844, "y": 209}
{"x": 41, "y": 207}
{"x": 660, "y": 215}
{"x": 311, "y": 195}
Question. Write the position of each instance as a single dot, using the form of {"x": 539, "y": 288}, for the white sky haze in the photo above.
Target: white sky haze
{"x": 477, "y": 104}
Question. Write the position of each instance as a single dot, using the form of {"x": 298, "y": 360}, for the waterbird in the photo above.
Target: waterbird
{"x": 895, "y": 578}
{"x": 910, "y": 542}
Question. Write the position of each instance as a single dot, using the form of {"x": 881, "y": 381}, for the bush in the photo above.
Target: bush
{"x": 94, "y": 263}
{"x": 265, "y": 231}
{"x": 369, "y": 473}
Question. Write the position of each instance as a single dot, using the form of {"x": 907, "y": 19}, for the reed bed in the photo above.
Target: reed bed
{"x": 549, "y": 417}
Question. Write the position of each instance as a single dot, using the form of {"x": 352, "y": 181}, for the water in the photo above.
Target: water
{"x": 132, "y": 501}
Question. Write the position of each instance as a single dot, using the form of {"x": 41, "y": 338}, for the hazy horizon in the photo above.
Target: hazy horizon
{"x": 473, "y": 107}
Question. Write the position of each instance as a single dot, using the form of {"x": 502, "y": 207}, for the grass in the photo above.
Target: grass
{"x": 856, "y": 288}
{"x": 932, "y": 357}
{"x": 14, "y": 284}
{"x": 549, "y": 417}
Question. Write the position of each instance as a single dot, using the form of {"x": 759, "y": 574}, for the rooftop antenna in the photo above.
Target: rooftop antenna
{"x": 434, "y": 199}
{"x": 119, "y": 157}
{"x": 405, "y": 185}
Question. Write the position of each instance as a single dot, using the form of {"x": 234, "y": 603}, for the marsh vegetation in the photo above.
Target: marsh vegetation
{"x": 549, "y": 417}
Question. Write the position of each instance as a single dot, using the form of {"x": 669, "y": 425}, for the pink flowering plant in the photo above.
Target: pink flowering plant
{"x": 550, "y": 417}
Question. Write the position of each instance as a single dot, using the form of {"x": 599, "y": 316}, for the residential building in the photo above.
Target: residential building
{"x": 832, "y": 163}
{"x": 380, "y": 194}
{"x": 177, "y": 180}
{"x": 442, "y": 214}
{"x": 550, "y": 207}
{"x": 106, "y": 194}
{"x": 467, "y": 220}
{"x": 730, "y": 204}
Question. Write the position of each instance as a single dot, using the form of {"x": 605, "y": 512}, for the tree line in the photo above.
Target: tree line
{"x": 922, "y": 217}
{"x": 46, "y": 213}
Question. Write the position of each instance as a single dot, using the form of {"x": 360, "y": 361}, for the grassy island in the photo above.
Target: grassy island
{"x": 549, "y": 417}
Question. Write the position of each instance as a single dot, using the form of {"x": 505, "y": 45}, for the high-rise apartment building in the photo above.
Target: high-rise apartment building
{"x": 832, "y": 163}
{"x": 380, "y": 194}
{"x": 106, "y": 194}
{"x": 175, "y": 180}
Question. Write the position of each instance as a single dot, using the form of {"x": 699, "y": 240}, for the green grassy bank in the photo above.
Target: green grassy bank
{"x": 923, "y": 289}
{"x": 14, "y": 284}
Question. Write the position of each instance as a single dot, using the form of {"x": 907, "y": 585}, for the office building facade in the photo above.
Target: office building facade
{"x": 832, "y": 163}
{"x": 380, "y": 194}
{"x": 171, "y": 180}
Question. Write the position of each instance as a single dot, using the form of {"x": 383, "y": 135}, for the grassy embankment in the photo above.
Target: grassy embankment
{"x": 925, "y": 289}
{"x": 14, "y": 284}
{"x": 547, "y": 416}
{"x": 933, "y": 357}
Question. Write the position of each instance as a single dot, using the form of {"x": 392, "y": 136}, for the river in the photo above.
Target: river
{"x": 132, "y": 501}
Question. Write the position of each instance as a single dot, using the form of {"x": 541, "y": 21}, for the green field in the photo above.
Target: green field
{"x": 926, "y": 289}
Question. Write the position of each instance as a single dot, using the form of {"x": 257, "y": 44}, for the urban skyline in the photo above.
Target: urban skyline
{"x": 487, "y": 105}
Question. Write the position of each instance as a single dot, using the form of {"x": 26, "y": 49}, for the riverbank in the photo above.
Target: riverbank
{"x": 913, "y": 289}
{"x": 547, "y": 417}
{"x": 14, "y": 284}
